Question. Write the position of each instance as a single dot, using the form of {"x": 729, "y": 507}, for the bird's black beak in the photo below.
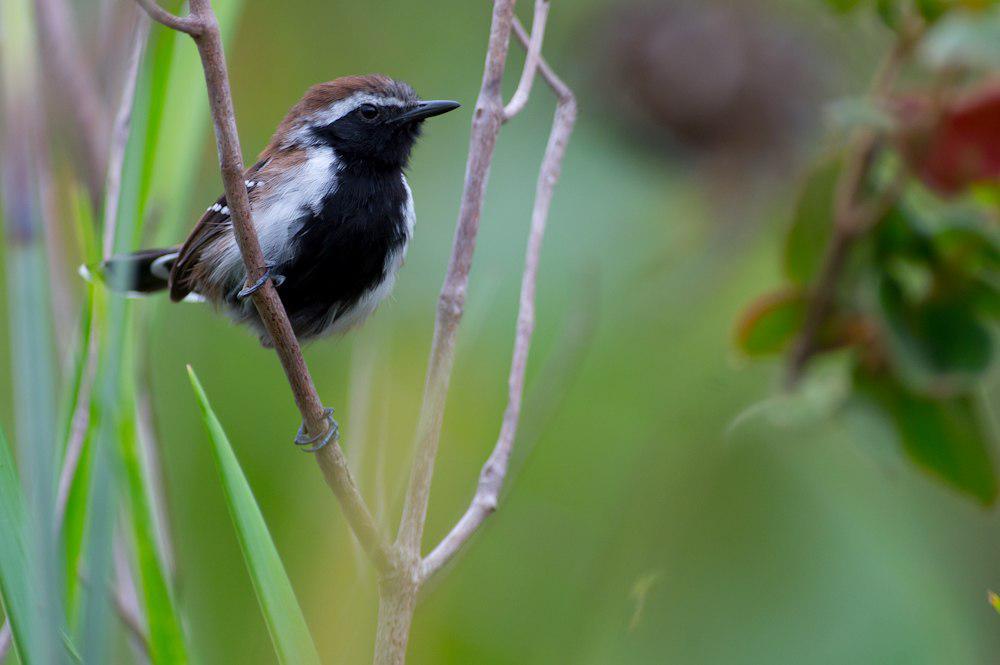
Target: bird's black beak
{"x": 425, "y": 110}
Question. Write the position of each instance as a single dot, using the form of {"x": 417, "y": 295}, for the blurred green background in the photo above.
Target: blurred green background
{"x": 638, "y": 525}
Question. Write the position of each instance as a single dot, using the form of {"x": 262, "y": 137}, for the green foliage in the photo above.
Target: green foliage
{"x": 964, "y": 39}
{"x": 14, "y": 561}
{"x": 843, "y": 6}
{"x": 852, "y": 113}
{"x": 771, "y": 322}
{"x": 166, "y": 640}
{"x": 945, "y": 436}
{"x": 281, "y": 610}
{"x": 92, "y": 317}
{"x": 930, "y": 288}
{"x": 916, "y": 300}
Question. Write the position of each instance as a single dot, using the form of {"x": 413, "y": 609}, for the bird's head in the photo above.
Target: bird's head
{"x": 369, "y": 120}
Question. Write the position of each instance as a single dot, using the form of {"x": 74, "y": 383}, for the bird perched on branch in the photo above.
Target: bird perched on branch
{"x": 331, "y": 207}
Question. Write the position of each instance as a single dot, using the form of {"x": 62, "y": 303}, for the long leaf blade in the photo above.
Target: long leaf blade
{"x": 14, "y": 574}
{"x": 274, "y": 591}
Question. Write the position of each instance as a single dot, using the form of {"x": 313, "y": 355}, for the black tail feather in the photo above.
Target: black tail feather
{"x": 146, "y": 271}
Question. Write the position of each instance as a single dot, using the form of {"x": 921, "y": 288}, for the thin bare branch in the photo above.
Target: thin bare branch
{"x": 397, "y": 594}
{"x": 491, "y": 479}
{"x": 272, "y": 313}
{"x": 486, "y": 123}
{"x": 558, "y": 86}
{"x": 188, "y": 24}
{"x": 520, "y": 98}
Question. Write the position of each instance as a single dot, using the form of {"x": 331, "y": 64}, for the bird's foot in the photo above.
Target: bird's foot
{"x": 253, "y": 288}
{"x": 323, "y": 438}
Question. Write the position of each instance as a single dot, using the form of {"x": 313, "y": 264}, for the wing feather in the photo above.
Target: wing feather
{"x": 214, "y": 224}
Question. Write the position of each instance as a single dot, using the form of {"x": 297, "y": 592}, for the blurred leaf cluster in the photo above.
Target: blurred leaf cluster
{"x": 914, "y": 294}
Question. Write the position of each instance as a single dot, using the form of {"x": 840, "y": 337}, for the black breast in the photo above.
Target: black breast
{"x": 340, "y": 252}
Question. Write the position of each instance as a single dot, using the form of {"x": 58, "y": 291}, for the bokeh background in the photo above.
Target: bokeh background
{"x": 651, "y": 516}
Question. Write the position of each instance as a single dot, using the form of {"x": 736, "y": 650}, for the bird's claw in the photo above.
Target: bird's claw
{"x": 321, "y": 439}
{"x": 253, "y": 288}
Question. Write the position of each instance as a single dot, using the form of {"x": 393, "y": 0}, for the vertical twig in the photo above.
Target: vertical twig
{"x": 398, "y": 593}
{"x": 491, "y": 479}
{"x": 487, "y": 119}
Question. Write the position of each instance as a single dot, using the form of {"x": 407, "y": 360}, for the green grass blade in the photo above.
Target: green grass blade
{"x": 32, "y": 344}
{"x": 282, "y": 613}
{"x": 115, "y": 450}
{"x": 166, "y": 640}
{"x": 92, "y": 320}
{"x": 14, "y": 574}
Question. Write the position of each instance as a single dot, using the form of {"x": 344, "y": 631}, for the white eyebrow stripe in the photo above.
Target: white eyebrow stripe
{"x": 339, "y": 109}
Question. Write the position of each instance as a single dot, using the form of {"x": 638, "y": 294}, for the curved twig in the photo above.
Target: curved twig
{"x": 534, "y": 47}
{"x": 494, "y": 472}
{"x": 191, "y": 24}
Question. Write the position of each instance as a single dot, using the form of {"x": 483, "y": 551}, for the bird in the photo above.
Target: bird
{"x": 331, "y": 206}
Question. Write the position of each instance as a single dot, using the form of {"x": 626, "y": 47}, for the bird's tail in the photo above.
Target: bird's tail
{"x": 136, "y": 274}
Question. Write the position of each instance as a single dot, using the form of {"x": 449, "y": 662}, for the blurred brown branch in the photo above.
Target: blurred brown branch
{"x": 62, "y": 48}
{"x": 853, "y": 215}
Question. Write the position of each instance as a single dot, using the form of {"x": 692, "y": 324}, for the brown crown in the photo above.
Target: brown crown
{"x": 321, "y": 95}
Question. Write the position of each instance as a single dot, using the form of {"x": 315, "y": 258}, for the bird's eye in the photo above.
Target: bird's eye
{"x": 368, "y": 111}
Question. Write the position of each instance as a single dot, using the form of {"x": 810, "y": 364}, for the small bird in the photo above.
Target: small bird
{"x": 331, "y": 206}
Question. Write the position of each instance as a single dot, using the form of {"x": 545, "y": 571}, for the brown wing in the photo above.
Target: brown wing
{"x": 214, "y": 223}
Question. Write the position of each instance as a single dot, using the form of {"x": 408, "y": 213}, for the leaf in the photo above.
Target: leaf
{"x": 843, "y": 6}
{"x": 166, "y": 639}
{"x": 771, "y": 322}
{"x": 943, "y": 436}
{"x": 818, "y": 396}
{"x": 14, "y": 562}
{"x": 281, "y": 610}
{"x": 964, "y": 39}
{"x": 938, "y": 346}
{"x": 932, "y": 10}
{"x": 853, "y": 113}
{"x": 812, "y": 224}
{"x": 888, "y": 11}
